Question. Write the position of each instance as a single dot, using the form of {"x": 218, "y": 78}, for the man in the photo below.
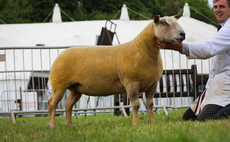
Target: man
{"x": 216, "y": 97}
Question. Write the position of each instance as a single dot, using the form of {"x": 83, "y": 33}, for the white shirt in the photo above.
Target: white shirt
{"x": 218, "y": 49}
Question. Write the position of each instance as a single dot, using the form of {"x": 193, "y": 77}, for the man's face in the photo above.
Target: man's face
{"x": 221, "y": 10}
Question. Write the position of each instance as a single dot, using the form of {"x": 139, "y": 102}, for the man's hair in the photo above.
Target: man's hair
{"x": 228, "y": 1}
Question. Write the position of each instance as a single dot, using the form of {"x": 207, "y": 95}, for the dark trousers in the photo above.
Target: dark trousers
{"x": 210, "y": 111}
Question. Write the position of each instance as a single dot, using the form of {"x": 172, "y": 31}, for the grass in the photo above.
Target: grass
{"x": 110, "y": 128}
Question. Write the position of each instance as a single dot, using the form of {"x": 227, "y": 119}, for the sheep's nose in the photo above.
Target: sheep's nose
{"x": 182, "y": 34}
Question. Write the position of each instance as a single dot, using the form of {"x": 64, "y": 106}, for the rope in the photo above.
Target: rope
{"x": 116, "y": 14}
{"x": 139, "y": 14}
{"x": 2, "y": 21}
{"x": 179, "y": 12}
{"x": 203, "y": 15}
{"x": 67, "y": 15}
{"x": 52, "y": 12}
{"x": 47, "y": 16}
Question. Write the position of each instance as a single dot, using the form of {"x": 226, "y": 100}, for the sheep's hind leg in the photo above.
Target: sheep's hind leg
{"x": 149, "y": 103}
{"x": 74, "y": 96}
{"x": 132, "y": 92}
{"x": 53, "y": 102}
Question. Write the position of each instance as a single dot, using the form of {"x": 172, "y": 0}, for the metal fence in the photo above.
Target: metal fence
{"x": 25, "y": 86}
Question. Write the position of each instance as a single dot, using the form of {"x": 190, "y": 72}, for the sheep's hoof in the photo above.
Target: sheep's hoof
{"x": 135, "y": 123}
{"x": 51, "y": 126}
{"x": 68, "y": 124}
{"x": 152, "y": 121}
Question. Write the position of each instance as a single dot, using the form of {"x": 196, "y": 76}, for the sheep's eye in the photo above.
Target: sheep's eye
{"x": 163, "y": 22}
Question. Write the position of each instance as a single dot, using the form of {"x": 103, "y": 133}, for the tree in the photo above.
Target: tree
{"x": 29, "y": 11}
{"x": 198, "y": 9}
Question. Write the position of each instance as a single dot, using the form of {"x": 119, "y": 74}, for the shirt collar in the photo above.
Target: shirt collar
{"x": 222, "y": 24}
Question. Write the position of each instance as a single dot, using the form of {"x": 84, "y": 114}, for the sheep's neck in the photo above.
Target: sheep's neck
{"x": 146, "y": 40}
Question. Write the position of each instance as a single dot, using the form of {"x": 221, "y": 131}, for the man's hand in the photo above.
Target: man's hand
{"x": 168, "y": 45}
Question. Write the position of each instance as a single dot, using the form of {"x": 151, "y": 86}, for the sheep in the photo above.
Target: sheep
{"x": 132, "y": 67}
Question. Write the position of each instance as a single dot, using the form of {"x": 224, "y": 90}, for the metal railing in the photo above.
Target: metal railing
{"x": 24, "y": 76}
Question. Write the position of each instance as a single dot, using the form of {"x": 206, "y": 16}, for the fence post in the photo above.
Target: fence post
{"x": 37, "y": 98}
{"x": 13, "y": 116}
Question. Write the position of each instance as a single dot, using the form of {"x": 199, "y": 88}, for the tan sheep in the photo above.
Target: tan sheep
{"x": 132, "y": 67}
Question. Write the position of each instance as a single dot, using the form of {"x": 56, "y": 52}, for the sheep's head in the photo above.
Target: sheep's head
{"x": 167, "y": 29}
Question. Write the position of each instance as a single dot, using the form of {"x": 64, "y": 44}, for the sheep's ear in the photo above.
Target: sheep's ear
{"x": 156, "y": 18}
{"x": 177, "y": 17}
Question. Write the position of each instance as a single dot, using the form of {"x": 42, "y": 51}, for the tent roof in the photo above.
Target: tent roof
{"x": 77, "y": 33}
{"x": 84, "y": 32}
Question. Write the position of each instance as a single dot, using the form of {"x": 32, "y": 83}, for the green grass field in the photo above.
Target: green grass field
{"x": 110, "y": 128}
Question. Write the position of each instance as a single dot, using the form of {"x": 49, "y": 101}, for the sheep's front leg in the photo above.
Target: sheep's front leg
{"x": 132, "y": 92}
{"x": 149, "y": 102}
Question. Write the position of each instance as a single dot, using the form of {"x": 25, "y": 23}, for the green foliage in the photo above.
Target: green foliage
{"x": 30, "y": 11}
{"x": 197, "y": 7}
{"x": 110, "y": 128}
{"x": 202, "y": 7}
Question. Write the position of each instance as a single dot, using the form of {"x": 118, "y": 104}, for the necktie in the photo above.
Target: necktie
{"x": 219, "y": 27}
